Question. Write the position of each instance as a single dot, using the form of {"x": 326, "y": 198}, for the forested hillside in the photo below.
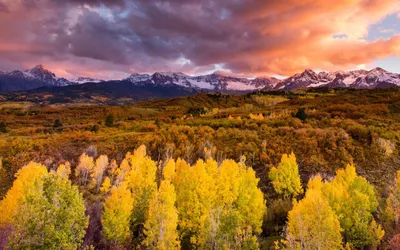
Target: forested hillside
{"x": 309, "y": 169}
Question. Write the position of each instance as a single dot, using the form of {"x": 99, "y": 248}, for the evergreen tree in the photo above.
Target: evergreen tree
{"x": 57, "y": 124}
{"x": 301, "y": 114}
{"x": 3, "y": 127}
{"x": 109, "y": 122}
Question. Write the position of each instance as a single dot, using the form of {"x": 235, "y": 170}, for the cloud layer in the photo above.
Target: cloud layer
{"x": 104, "y": 38}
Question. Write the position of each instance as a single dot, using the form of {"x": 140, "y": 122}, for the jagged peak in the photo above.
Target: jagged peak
{"x": 39, "y": 69}
{"x": 378, "y": 69}
{"x": 39, "y": 66}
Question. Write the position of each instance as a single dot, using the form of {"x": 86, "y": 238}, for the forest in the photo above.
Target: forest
{"x": 307, "y": 169}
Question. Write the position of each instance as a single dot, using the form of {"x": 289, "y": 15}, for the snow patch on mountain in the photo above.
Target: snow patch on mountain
{"x": 82, "y": 80}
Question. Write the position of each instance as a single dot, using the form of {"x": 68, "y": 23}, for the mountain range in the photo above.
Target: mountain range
{"x": 41, "y": 85}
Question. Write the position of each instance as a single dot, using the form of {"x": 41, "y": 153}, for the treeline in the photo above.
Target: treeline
{"x": 208, "y": 205}
{"x": 153, "y": 206}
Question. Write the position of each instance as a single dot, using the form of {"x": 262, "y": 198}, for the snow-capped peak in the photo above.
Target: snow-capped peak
{"x": 82, "y": 80}
{"x": 135, "y": 77}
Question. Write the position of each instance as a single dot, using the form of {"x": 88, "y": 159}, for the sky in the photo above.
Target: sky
{"x": 111, "y": 39}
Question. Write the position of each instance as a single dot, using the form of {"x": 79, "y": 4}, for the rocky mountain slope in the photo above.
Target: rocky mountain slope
{"x": 358, "y": 79}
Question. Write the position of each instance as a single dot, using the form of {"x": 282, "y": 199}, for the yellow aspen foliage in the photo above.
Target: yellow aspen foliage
{"x": 250, "y": 202}
{"x": 116, "y": 215}
{"x": 353, "y": 199}
{"x": 98, "y": 171}
{"x": 141, "y": 180}
{"x": 312, "y": 224}
{"x": 194, "y": 200}
{"x": 105, "y": 187}
{"x": 162, "y": 220}
{"x": 227, "y": 182}
{"x": 113, "y": 170}
{"x": 64, "y": 170}
{"x": 392, "y": 210}
{"x": 285, "y": 178}
{"x": 51, "y": 216}
{"x": 25, "y": 180}
{"x": 239, "y": 208}
{"x": 84, "y": 169}
{"x": 169, "y": 170}
{"x": 256, "y": 117}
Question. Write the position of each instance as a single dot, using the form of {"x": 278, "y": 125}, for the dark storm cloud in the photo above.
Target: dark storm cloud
{"x": 4, "y": 8}
{"x": 246, "y": 36}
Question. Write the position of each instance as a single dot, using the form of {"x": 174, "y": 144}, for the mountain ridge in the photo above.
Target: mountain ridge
{"x": 39, "y": 76}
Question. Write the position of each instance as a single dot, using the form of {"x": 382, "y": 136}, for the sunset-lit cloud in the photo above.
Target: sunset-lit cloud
{"x": 110, "y": 39}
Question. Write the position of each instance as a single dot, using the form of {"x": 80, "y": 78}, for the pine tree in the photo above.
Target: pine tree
{"x": 57, "y": 124}
{"x": 109, "y": 120}
{"x": 3, "y": 127}
{"x": 285, "y": 178}
{"x": 301, "y": 114}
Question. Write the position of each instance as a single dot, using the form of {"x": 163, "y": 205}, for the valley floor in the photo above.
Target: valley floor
{"x": 325, "y": 129}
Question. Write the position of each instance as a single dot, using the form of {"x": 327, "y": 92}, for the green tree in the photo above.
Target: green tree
{"x": 312, "y": 224}
{"x": 285, "y": 178}
{"x": 301, "y": 114}
{"x": 3, "y": 127}
{"x": 109, "y": 122}
{"x": 95, "y": 128}
{"x": 51, "y": 216}
{"x": 57, "y": 124}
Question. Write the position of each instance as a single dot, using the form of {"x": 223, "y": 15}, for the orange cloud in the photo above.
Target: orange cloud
{"x": 244, "y": 37}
